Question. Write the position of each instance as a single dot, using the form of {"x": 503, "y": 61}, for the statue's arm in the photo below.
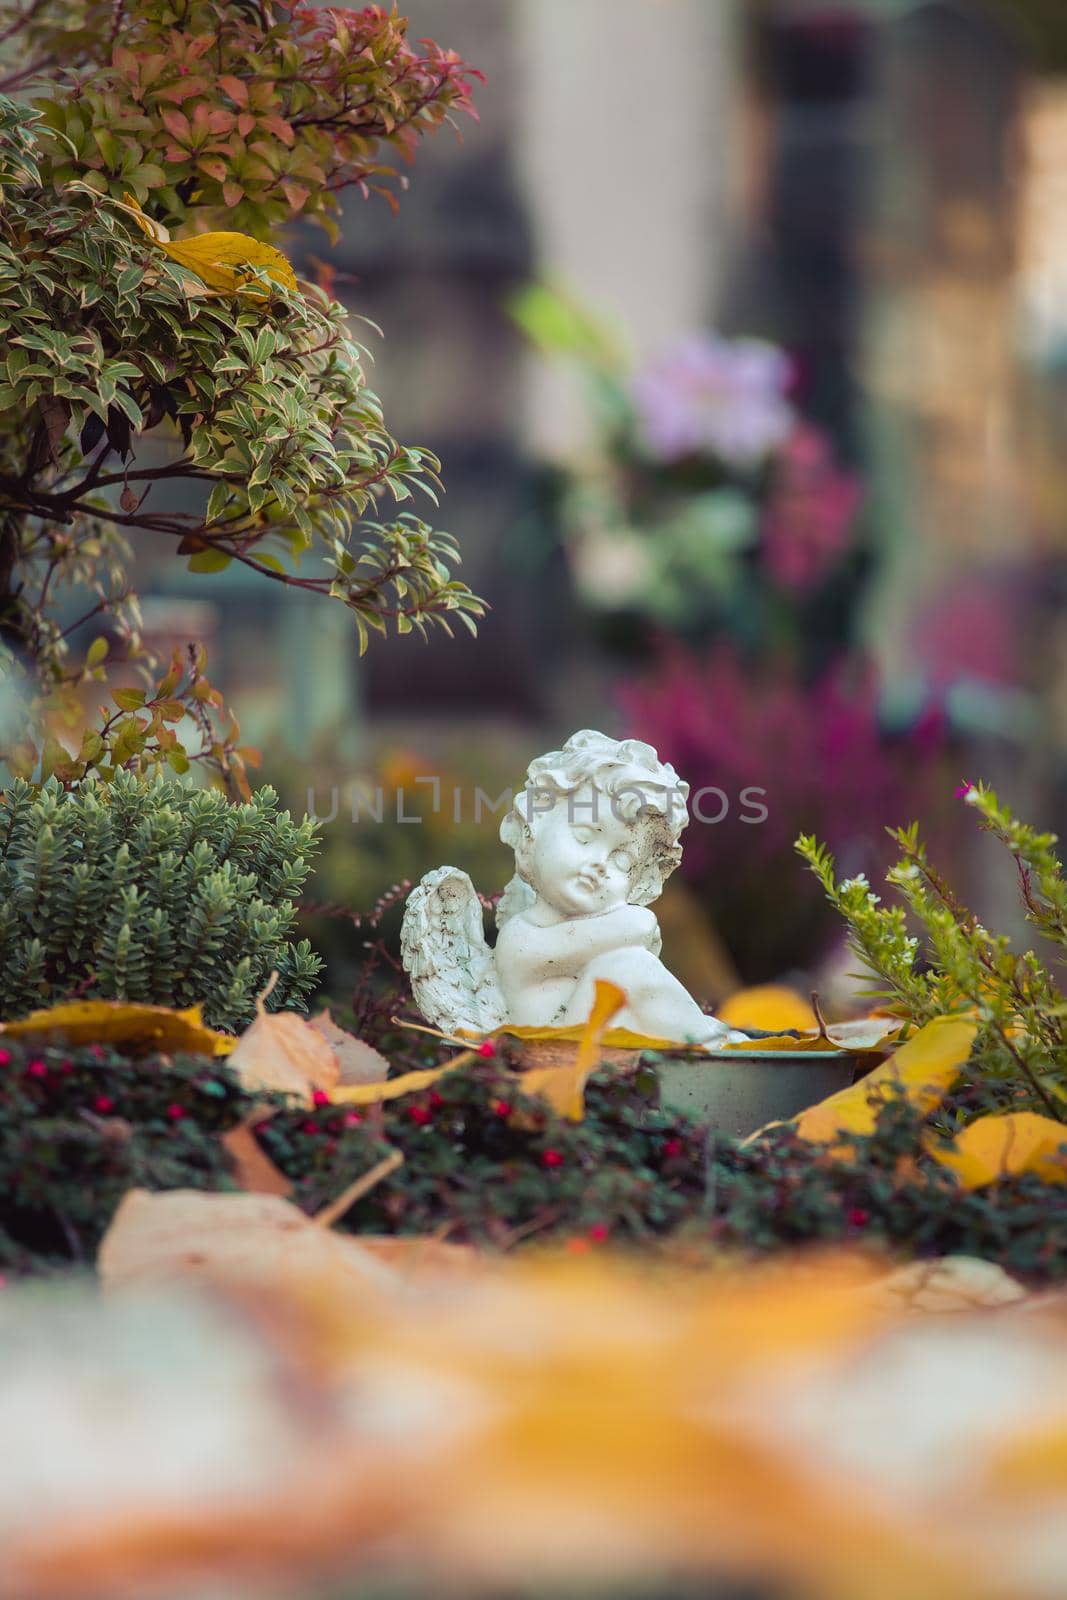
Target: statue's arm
{"x": 627, "y": 927}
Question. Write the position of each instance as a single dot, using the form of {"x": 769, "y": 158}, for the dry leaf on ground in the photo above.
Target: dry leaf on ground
{"x": 123, "y": 1022}
{"x": 282, "y": 1053}
{"x": 253, "y": 1170}
{"x": 923, "y": 1070}
{"x": 156, "y": 1237}
{"x": 564, "y": 1087}
{"x": 1005, "y": 1146}
{"x": 357, "y": 1062}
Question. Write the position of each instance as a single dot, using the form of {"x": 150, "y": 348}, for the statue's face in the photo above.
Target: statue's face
{"x": 582, "y": 857}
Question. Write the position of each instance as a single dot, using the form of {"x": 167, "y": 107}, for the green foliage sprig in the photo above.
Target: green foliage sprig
{"x": 149, "y": 890}
{"x": 956, "y": 964}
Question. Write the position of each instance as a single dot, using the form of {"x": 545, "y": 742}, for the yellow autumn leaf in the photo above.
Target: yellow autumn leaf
{"x": 816, "y": 1043}
{"x": 923, "y": 1070}
{"x": 1005, "y": 1147}
{"x": 564, "y": 1087}
{"x": 217, "y": 258}
{"x": 613, "y": 1039}
{"x": 126, "y": 1023}
{"x": 370, "y": 1094}
{"x": 768, "y": 1005}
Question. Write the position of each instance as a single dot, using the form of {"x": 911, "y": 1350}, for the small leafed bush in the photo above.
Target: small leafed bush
{"x": 485, "y": 1164}
{"x": 150, "y": 890}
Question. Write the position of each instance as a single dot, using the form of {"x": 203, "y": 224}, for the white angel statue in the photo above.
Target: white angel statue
{"x": 595, "y": 832}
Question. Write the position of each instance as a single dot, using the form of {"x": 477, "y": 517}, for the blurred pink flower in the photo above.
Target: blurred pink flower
{"x": 808, "y": 521}
{"x": 718, "y": 397}
{"x": 822, "y": 763}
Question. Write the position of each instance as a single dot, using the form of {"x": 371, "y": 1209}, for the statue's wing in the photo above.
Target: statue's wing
{"x": 442, "y": 943}
{"x": 518, "y": 896}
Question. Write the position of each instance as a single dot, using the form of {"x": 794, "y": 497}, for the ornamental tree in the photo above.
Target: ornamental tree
{"x": 150, "y": 150}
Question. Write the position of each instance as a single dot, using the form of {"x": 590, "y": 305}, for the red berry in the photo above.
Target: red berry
{"x": 5, "y": 1058}
{"x": 502, "y": 1108}
{"x": 436, "y": 1100}
{"x": 352, "y": 1119}
{"x": 309, "y": 1126}
{"x": 420, "y": 1115}
{"x": 551, "y": 1158}
{"x": 103, "y": 1104}
{"x": 672, "y": 1147}
{"x": 97, "y": 1051}
{"x": 66, "y": 1068}
{"x": 487, "y": 1048}
{"x": 175, "y": 1113}
{"x": 37, "y": 1069}
{"x": 858, "y": 1218}
{"x": 599, "y": 1232}
{"x": 320, "y": 1098}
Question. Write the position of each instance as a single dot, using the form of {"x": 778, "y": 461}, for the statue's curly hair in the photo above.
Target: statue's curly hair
{"x": 642, "y": 789}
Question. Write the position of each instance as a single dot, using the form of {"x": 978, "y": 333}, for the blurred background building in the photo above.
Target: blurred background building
{"x": 871, "y": 610}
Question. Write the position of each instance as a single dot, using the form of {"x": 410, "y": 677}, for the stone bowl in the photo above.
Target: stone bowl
{"x": 734, "y": 1091}
{"x": 742, "y": 1090}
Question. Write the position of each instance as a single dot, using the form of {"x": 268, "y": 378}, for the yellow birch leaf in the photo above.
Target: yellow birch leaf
{"x": 816, "y": 1043}
{"x": 1005, "y": 1147}
{"x": 564, "y": 1087}
{"x": 922, "y": 1070}
{"x": 122, "y": 1022}
{"x": 613, "y": 1039}
{"x": 217, "y": 257}
{"x": 369, "y": 1094}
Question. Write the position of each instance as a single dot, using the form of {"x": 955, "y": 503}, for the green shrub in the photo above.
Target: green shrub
{"x": 146, "y": 889}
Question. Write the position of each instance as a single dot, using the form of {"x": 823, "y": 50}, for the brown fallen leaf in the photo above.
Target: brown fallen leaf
{"x": 357, "y": 1062}
{"x": 284, "y": 1054}
{"x": 253, "y": 1169}
{"x": 259, "y": 1238}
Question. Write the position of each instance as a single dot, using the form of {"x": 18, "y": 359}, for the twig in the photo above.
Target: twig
{"x": 355, "y": 1191}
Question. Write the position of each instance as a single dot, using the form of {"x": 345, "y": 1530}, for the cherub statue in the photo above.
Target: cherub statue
{"x": 595, "y": 833}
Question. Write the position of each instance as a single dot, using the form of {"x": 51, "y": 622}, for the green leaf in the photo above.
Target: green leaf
{"x": 209, "y": 561}
{"x": 128, "y": 404}
{"x": 96, "y": 653}
{"x": 128, "y": 699}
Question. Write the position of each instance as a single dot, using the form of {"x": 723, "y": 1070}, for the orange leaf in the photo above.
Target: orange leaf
{"x": 253, "y": 1169}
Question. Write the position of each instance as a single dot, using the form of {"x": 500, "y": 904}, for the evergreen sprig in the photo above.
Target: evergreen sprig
{"x": 150, "y": 890}
{"x": 956, "y": 963}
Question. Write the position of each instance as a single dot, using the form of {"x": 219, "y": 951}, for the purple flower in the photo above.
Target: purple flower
{"x": 712, "y": 396}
